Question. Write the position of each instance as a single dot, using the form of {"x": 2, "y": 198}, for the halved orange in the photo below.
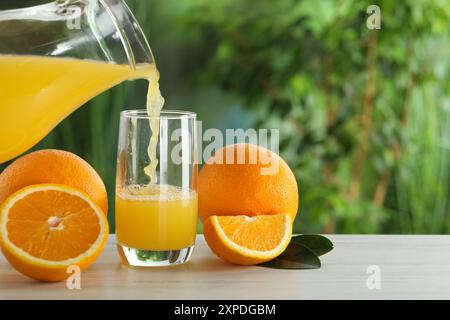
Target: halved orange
{"x": 248, "y": 240}
{"x": 46, "y": 228}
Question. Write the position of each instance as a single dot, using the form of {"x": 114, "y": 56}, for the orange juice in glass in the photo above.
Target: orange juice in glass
{"x": 156, "y": 223}
{"x": 156, "y": 217}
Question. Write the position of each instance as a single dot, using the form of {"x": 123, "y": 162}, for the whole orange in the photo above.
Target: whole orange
{"x": 246, "y": 179}
{"x": 53, "y": 166}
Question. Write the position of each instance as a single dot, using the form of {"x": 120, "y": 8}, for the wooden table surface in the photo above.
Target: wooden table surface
{"x": 411, "y": 267}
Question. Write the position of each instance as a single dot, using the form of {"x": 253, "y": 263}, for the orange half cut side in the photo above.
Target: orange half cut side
{"x": 248, "y": 240}
{"x": 46, "y": 228}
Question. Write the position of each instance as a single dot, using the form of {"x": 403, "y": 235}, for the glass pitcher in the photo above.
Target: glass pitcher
{"x": 57, "y": 56}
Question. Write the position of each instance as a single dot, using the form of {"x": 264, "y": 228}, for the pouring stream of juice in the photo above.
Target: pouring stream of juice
{"x": 38, "y": 92}
{"x": 155, "y": 102}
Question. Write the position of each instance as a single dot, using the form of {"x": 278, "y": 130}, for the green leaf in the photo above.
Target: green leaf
{"x": 314, "y": 242}
{"x": 296, "y": 256}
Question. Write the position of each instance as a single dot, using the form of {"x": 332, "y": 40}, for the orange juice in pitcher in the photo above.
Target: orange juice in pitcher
{"x": 57, "y": 56}
{"x": 39, "y": 92}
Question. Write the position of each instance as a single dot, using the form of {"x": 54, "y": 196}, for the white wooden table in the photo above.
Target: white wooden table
{"x": 412, "y": 267}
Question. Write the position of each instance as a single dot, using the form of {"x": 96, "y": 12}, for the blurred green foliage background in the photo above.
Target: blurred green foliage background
{"x": 364, "y": 115}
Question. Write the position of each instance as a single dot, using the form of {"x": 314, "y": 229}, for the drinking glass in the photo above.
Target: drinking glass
{"x": 156, "y": 223}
